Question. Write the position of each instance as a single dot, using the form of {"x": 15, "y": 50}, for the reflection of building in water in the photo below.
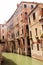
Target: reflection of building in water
{"x": 34, "y": 62}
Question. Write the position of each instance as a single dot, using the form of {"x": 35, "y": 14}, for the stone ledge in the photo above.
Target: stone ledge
{"x": 37, "y": 57}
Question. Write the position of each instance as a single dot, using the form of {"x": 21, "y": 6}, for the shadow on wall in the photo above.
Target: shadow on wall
{"x": 8, "y": 62}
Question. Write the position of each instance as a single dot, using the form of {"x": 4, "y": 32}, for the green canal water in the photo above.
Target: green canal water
{"x": 16, "y": 59}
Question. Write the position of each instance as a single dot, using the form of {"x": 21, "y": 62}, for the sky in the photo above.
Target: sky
{"x": 7, "y": 8}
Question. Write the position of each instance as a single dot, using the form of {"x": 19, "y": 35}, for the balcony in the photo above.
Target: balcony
{"x": 17, "y": 35}
{"x": 2, "y": 41}
{"x": 41, "y": 19}
{"x": 10, "y": 39}
{"x": 37, "y": 38}
{"x": 31, "y": 38}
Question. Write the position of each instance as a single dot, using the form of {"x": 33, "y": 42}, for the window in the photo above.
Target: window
{"x": 23, "y": 41}
{"x": 37, "y": 46}
{"x": 36, "y": 31}
{"x": 42, "y": 11}
{"x": 42, "y": 27}
{"x": 32, "y": 46}
{"x": 22, "y": 31}
{"x": 28, "y": 41}
{"x": 17, "y": 33}
{"x": 18, "y": 41}
{"x": 25, "y": 6}
{"x": 34, "y": 16}
{"x": 3, "y": 37}
{"x": 31, "y": 6}
{"x": 12, "y": 35}
{"x": 29, "y": 49}
{"x": 21, "y": 14}
{"x": 27, "y": 29}
{"x": 29, "y": 20}
{"x": 25, "y": 13}
{"x": 2, "y": 25}
{"x": 30, "y": 33}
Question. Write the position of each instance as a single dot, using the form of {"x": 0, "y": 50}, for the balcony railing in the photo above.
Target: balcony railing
{"x": 41, "y": 18}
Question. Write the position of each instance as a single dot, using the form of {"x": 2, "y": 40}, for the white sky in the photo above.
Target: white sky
{"x": 7, "y": 8}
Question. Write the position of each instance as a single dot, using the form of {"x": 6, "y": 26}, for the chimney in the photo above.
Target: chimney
{"x": 18, "y": 5}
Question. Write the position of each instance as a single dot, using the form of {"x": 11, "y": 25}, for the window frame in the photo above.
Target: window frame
{"x": 34, "y": 17}
{"x": 25, "y": 6}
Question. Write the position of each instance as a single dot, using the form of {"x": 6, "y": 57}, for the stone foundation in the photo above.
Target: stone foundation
{"x": 37, "y": 57}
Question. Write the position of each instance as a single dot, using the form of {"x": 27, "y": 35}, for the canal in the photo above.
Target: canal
{"x": 16, "y": 59}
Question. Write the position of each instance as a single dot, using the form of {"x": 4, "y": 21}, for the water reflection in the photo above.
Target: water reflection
{"x": 22, "y": 60}
{"x": 25, "y": 60}
{"x": 36, "y": 62}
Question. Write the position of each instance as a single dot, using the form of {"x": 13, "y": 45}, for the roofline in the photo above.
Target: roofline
{"x": 31, "y": 2}
{"x": 18, "y": 7}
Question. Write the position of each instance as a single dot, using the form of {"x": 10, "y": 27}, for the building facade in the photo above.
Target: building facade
{"x": 3, "y": 32}
{"x": 35, "y": 22}
{"x": 10, "y": 34}
{"x": 0, "y": 31}
{"x": 20, "y": 30}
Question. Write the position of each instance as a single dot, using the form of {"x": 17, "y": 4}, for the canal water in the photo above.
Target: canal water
{"x": 16, "y": 59}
